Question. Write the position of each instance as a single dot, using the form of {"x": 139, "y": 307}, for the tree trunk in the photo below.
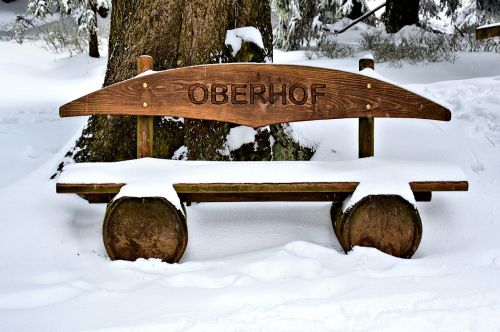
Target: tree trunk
{"x": 176, "y": 34}
{"x": 93, "y": 41}
{"x": 398, "y": 14}
{"x": 356, "y": 11}
{"x": 93, "y": 45}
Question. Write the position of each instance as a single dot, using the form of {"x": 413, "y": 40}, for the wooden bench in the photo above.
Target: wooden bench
{"x": 154, "y": 225}
{"x": 488, "y": 31}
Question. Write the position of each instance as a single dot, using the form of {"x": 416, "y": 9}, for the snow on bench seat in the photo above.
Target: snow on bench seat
{"x": 148, "y": 177}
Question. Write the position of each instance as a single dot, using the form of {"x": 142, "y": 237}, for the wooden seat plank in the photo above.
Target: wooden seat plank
{"x": 252, "y": 192}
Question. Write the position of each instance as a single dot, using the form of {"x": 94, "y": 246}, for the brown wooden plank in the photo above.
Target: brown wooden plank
{"x": 257, "y": 192}
{"x": 349, "y": 187}
{"x": 208, "y": 188}
{"x": 110, "y": 188}
{"x": 279, "y": 197}
{"x": 263, "y": 197}
{"x": 88, "y": 188}
{"x": 185, "y": 188}
{"x": 488, "y": 32}
{"x": 439, "y": 186}
{"x": 235, "y": 93}
{"x": 254, "y": 197}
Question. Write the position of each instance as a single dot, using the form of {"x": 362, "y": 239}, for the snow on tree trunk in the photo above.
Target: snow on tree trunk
{"x": 178, "y": 34}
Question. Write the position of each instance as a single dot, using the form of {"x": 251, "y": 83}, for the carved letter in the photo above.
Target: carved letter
{"x": 216, "y": 93}
{"x": 257, "y": 95}
{"x": 315, "y": 93}
{"x": 291, "y": 94}
{"x": 235, "y": 93}
{"x": 273, "y": 94}
{"x": 191, "y": 90}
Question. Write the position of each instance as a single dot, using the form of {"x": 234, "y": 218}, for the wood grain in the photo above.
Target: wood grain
{"x": 386, "y": 222}
{"x": 490, "y": 32}
{"x": 255, "y": 192}
{"x": 345, "y": 187}
{"x": 366, "y": 126}
{"x": 235, "y": 93}
{"x": 144, "y": 123}
{"x": 264, "y": 197}
{"x": 150, "y": 227}
{"x": 420, "y": 196}
{"x": 423, "y": 186}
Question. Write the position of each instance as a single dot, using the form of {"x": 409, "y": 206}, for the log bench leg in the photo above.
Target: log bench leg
{"x": 386, "y": 222}
{"x": 149, "y": 227}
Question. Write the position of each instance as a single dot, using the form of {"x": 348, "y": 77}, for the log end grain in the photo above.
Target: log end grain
{"x": 149, "y": 227}
{"x": 386, "y": 222}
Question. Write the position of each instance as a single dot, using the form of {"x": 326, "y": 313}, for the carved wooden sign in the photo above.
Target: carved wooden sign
{"x": 240, "y": 94}
{"x": 256, "y": 95}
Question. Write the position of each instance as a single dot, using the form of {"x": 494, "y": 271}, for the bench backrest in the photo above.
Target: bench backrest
{"x": 256, "y": 95}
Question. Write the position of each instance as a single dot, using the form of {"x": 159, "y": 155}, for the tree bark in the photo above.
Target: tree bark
{"x": 398, "y": 14}
{"x": 356, "y": 11}
{"x": 176, "y": 34}
{"x": 93, "y": 45}
{"x": 93, "y": 40}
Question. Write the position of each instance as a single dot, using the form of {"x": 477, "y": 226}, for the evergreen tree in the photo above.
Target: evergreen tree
{"x": 472, "y": 13}
{"x": 300, "y": 21}
{"x": 416, "y": 12}
{"x": 82, "y": 14}
{"x": 432, "y": 8}
{"x": 489, "y": 10}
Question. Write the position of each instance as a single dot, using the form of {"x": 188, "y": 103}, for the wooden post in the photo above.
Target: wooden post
{"x": 366, "y": 137}
{"x": 144, "y": 123}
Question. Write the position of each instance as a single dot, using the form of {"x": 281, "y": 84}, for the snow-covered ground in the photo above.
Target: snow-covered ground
{"x": 250, "y": 266}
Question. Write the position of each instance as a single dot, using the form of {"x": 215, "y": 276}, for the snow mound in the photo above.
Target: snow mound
{"x": 235, "y": 37}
